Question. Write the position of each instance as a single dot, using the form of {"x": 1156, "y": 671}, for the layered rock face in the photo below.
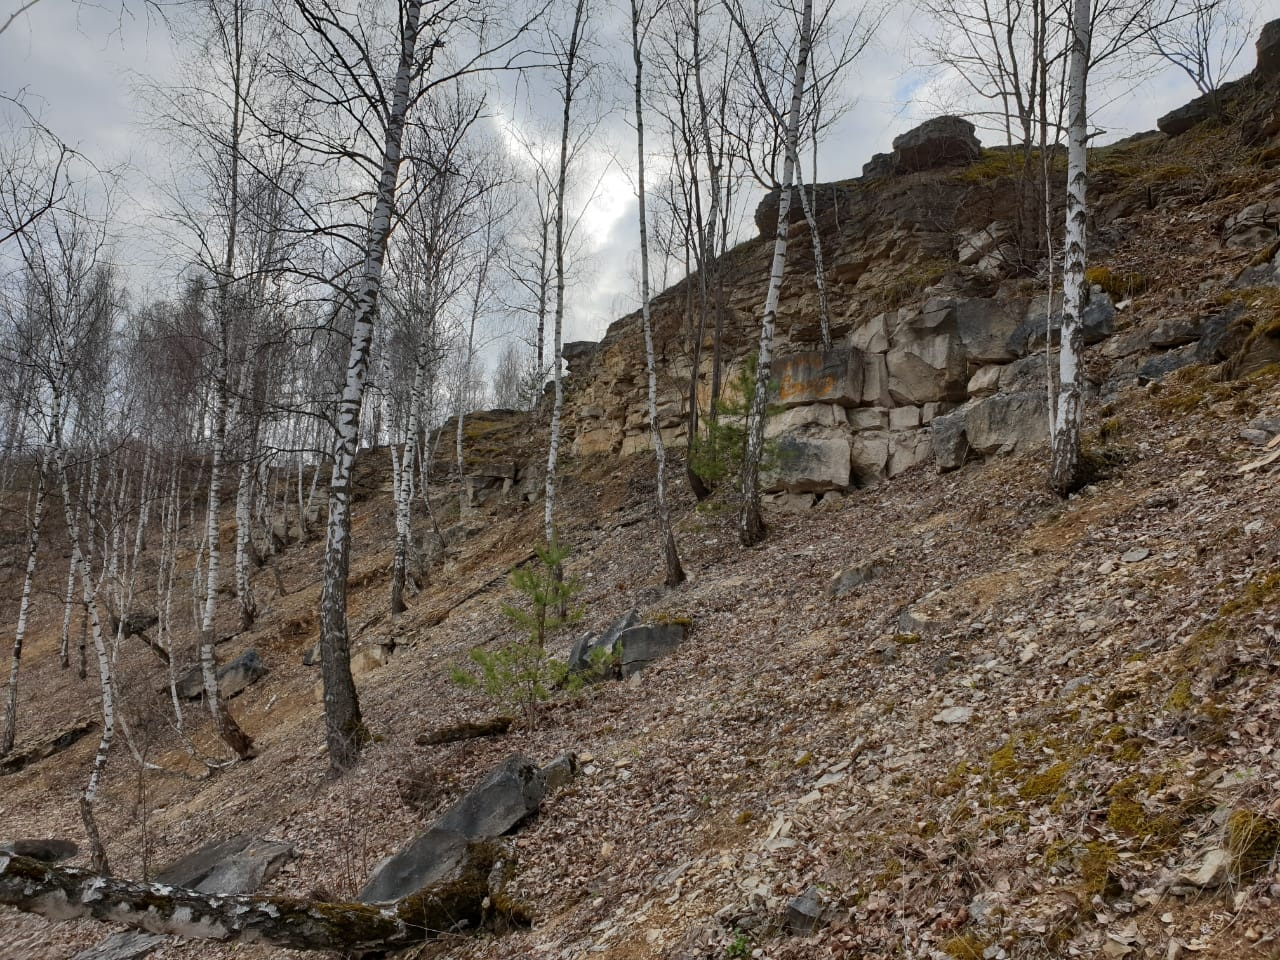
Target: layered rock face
{"x": 941, "y": 347}
{"x": 922, "y": 325}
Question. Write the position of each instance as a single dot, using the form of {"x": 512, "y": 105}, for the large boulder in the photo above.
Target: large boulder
{"x": 926, "y": 369}
{"x": 1007, "y": 422}
{"x": 950, "y": 444}
{"x": 985, "y": 326}
{"x": 810, "y": 460}
{"x": 1268, "y": 50}
{"x": 234, "y": 678}
{"x": 797, "y": 419}
{"x": 1191, "y": 114}
{"x": 946, "y": 141}
{"x": 869, "y": 456}
{"x": 578, "y": 355}
{"x": 827, "y": 197}
{"x": 819, "y": 376}
{"x": 239, "y": 865}
{"x": 511, "y": 793}
{"x": 907, "y": 448}
{"x": 1163, "y": 364}
{"x": 880, "y": 165}
{"x": 594, "y": 654}
{"x": 643, "y": 644}
{"x": 1255, "y": 225}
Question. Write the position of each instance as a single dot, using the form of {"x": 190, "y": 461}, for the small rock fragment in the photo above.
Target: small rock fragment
{"x": 954, "y": 715}
{"x": 1213, "y": 871}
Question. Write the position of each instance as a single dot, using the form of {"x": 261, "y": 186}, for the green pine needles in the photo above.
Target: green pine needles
{"x": 522, "y": 674}
{"x": 716, "y": 456}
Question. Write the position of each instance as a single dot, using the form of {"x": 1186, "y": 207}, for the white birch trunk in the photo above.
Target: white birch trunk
{"x": 819, "y": 273}
{"x": 674, "y": 574}
{"x": 345, "y": 731}
{"x": 228, "y": 729}
{"x": 751, "y": 527}
{"x": 1066, "y": 470}
{"x": 24, "y": 605}
{"x": 562, "y": 177}
{"x": 402, "y": 487}
{"x": 64, "y": 652}
{"x": 244, "y": 533}
{"x": 81, "y": 565}
{"x": 165, "y": 579}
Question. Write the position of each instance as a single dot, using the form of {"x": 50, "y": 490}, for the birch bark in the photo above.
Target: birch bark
{"x": 751, "y": 529}
{"x": 24, "y": 605}
{"x": 1065, "y": 474}
{"x": 569, "y": 66}
{"x": 674, "y": 574}
{"x": 345, "y": 732}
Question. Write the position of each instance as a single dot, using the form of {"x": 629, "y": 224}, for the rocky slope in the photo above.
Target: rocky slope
{"x": 935, "y": 714}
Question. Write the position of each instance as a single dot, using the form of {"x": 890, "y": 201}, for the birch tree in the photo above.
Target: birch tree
{"x": 359, "y": 111}
{"x": 751, "y": 529}
{"x": 1119, "y": 25}
{"x": 428, "y": 274}
{"x": 572, "y": 75}
{"x": 24, "y": 605}
{"x": 674, "y": 574}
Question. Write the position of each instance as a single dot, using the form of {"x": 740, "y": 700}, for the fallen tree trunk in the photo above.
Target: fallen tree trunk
{"x": 353, "y": 928}
{"x": 467, "y": 730}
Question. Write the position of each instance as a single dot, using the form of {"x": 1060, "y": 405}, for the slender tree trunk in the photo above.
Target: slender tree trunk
{"x": 706, "y": 243}
{"x": 403, "y": 486}
{"x": 464, "y": 387}
{"x": 165, "y": 579}
{"x": 674, "y": 572}
{"x": 228, "y": 729}
{"x": 570, "y": 65}
{"x": 230, "y": 732}
{"x": 542, "y": 297}
{"x": 1066, "y": 472}
{"x": 24, "y": 605}
{"x": 819, "y": 273}
{"x": 751, "y": 529}
{"x": 244, "y": 543}
{"x": 81, "y": 564}
{"x": 345, "y": 732}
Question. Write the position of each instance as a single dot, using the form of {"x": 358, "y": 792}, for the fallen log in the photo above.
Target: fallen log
{"x": 454, "y": 903}
{"x": 467, "y": 730}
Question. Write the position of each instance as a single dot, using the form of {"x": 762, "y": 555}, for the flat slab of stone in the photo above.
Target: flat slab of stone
{"x": 644, "y": 644}
{"x": 124, "y": 945}
{"x": 508, "y": 795}
{"x": 246, "y": 870}
{"x": 44, "y": 850}
{"x": 589, "y": 649}
{"x": 234, "y": 678}
{"x": 819, "y": 376}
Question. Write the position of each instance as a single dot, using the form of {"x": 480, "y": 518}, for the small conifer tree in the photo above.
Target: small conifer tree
{"x": 521, "y": 673}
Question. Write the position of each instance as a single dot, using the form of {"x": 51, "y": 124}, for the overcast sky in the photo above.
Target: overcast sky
{"x": 79, "y": 64}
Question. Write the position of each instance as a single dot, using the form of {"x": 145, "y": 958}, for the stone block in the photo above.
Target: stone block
{"x": 818, "y": 376}
{"x": 930, "y": 368}
{"x": 641, "y": 645}
{"x": 868, "y": 418}
{"x": 1007, "y": 423}
{"x": 811, "y": 461}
